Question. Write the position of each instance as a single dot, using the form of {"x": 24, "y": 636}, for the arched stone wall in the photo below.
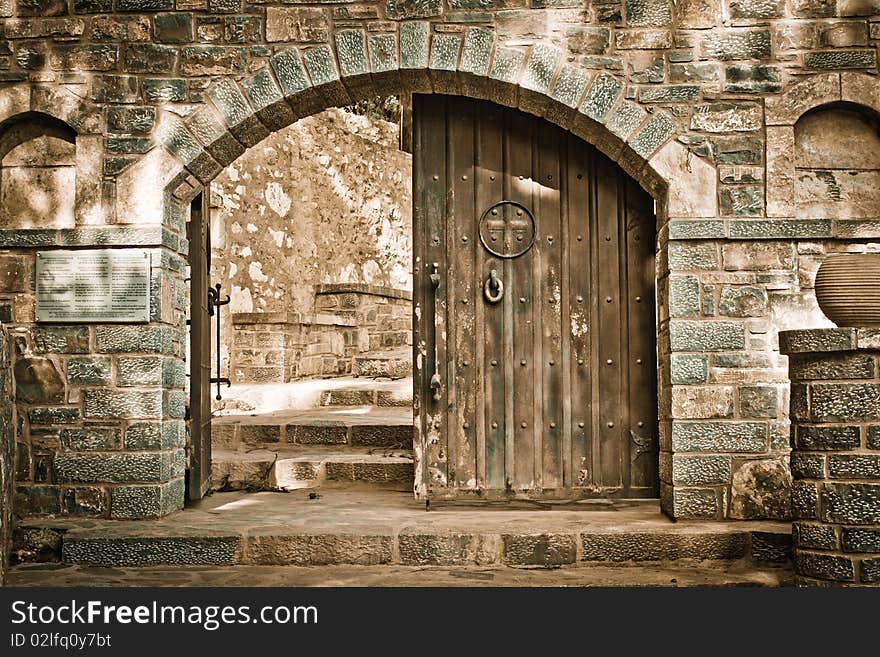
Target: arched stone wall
{"x": 781, "y": 115}
{"x": 37, "y": 172}
{"x": 695, "y": 103}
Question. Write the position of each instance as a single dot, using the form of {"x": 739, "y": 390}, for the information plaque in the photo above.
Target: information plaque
{"x": 107, "y": 285}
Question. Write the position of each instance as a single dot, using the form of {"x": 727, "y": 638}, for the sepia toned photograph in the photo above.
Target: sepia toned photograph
{"x": 435, "y": 294}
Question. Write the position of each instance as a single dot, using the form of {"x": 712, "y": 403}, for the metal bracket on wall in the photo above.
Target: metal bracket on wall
{"x": 436, "y": 383}
{"x": 214, "y": 301}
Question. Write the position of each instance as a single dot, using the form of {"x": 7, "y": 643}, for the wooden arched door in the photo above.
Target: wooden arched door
{"x": 534, "y": 321}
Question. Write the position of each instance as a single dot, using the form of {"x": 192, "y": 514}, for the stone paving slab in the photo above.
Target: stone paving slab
{"x": 737, "y": 573}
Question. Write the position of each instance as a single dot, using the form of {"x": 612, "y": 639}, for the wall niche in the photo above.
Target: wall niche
{"x": 37, "y": 173}
{"x": 837, "y": 161}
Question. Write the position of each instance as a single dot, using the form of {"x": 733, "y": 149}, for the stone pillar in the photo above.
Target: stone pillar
{"x": 100, "y": 408}
{"x": 722, "y": 393}
{"x": 835, "y": 414}
{"x": 6, "y": 455}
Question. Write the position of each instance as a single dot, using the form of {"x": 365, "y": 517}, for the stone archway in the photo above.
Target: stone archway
{"x": 152, "y": 196}
{"x": 297, "y": 83}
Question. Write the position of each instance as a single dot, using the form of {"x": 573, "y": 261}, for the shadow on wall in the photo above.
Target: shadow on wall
{"x": 836, "y": 177}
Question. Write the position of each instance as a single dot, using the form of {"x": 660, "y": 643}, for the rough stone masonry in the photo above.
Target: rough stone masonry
{"x": 716, "y": 107}
{"x": 835, "y": 461}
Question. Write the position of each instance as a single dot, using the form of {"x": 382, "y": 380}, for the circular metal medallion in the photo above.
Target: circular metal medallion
{"x": 507, "y": 229}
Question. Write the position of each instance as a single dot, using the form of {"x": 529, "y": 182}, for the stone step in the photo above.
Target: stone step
{"x": 366, "y": 397}
{"x": 395, "y": 364}
{"x": 355, "y": 426}
{"x": 517, "y": 548}
{"x": 370, "y": 527}
{"x": 260, "y": 399}
{"x": 291, "y": 468}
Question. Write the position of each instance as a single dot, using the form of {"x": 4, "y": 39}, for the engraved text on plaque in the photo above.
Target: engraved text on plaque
{"x": 107, "y": 285}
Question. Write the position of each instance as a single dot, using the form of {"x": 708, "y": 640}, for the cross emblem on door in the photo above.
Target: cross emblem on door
{"x": 507, "y": 229}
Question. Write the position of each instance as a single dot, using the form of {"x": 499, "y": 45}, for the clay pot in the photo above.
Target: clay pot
{"x": 848, "y": 289}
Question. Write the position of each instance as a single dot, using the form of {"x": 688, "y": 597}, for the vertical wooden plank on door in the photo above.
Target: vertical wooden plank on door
{"x": 420, "y": 285}
{"x": 579, "y": 327}
{"x": 520, "y": 307}
{"x": 434, "y": 183}
{"x": 554, "y": 292}
{"x": 490, "y": 188}
{"x": 641, "y": 325}
{"x": 447, "y": 334}
{"x": 611, "y": 399}
{"x": 461, "y": 245}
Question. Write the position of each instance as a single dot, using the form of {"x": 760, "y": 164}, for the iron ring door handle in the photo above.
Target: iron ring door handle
{"x": 493, "y": 289}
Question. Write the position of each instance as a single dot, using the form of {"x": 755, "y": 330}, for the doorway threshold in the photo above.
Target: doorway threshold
{"x": 363, "y": 526}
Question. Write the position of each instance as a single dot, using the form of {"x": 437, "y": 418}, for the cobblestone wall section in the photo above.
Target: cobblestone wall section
{"x": 835, "y": 411}
{"x": 101, "y": 408}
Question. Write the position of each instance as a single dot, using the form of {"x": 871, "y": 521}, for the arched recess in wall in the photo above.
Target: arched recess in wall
{"x": 837, "y": 162}
{"x": 37, "y": 172}
{"x": 855, "y": 92}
